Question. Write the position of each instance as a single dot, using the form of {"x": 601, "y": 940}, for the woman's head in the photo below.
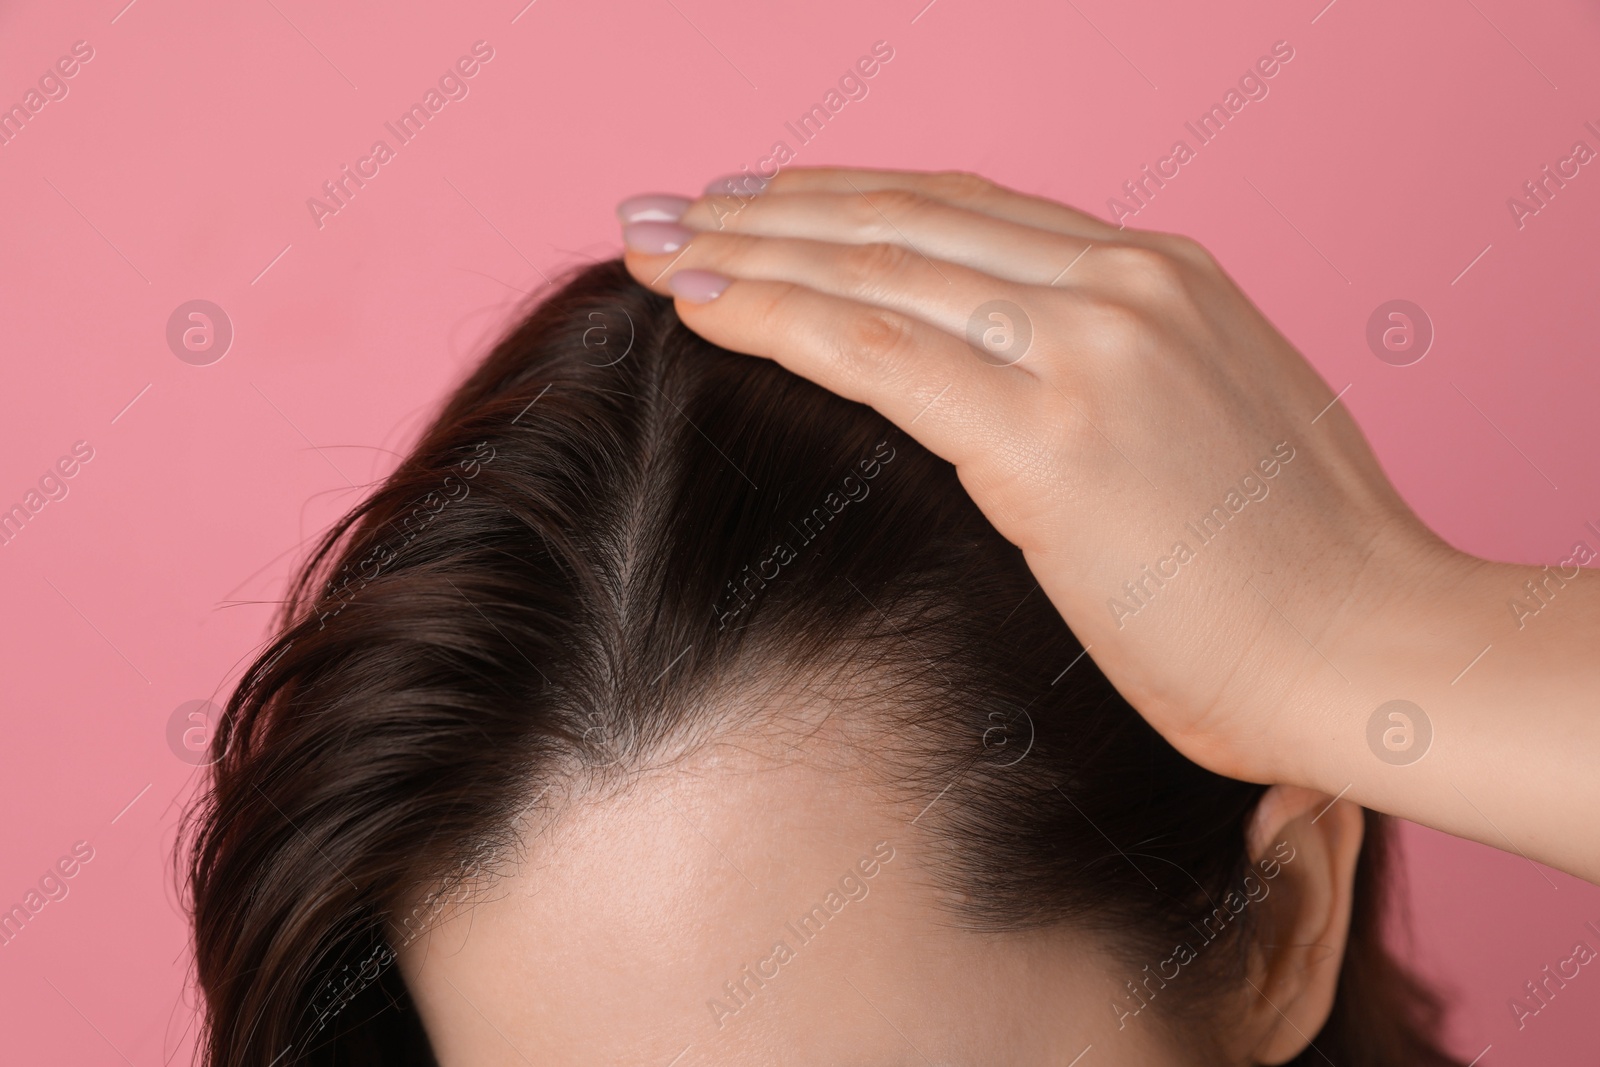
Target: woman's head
{"x": 664, "y": 704}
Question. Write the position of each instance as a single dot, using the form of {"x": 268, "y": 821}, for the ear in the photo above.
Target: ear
{"x": 1304, "y": 845}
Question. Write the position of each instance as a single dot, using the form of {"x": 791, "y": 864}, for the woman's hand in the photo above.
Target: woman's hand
{"x": 1185, "y": 487}
{"x": 1129, "y": 394}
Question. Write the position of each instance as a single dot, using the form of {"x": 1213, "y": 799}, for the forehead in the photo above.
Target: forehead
{"x": 742, "y": 907}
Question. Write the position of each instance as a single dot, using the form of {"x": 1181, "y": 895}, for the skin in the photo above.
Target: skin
{"x": 632, "y": 907}
{"x": 1152, "y": 385}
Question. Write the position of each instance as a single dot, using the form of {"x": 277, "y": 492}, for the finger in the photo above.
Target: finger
{"x": 991, "y": 314}
{"x": 974, "y": 192}
{"x": 920, "y": 378}
{"x": 1121, "y": 270}
{"x": 931, "y": 228}
{"x": 958, "y": 188}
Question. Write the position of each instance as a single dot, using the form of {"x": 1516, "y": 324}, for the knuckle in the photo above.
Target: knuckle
{"x": 1144, "y": 261}
{"x": 1118, "y": 329}
{"x": 1150, "y": 271}
{"x": 959, "y": 185}
{"x": 891, "y": 204}
{"x": 1194, "y": 252}
{"x": 873, "y": 337}
{"x": 867, "y": 266}
{"x": 1185, "y": 250}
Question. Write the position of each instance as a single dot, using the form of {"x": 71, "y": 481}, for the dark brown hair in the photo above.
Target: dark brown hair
{"x": 611, "y": 524}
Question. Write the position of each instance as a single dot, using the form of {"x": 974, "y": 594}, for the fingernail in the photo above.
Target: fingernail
{"x": 655, "y": 237}
{"x": 653, "y": 207}
{"x": 736, "y": 185}
{"x": 698, "y": 286}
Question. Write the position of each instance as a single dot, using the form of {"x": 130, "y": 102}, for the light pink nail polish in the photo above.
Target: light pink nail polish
{"x": 736, "y": 185}
{"x": 655, "y": 238}
{"x": 653, "y": 207}
{"x": 698, "y": 286}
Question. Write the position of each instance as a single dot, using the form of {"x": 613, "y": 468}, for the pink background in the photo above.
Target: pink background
{"x": 179, "y": 165}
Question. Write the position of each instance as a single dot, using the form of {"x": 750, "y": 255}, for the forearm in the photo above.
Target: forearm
{"x": 1503, "y": 662}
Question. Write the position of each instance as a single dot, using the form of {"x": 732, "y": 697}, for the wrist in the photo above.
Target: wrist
{"x": 1414, "y": 624}
{"x": 1470, "y": 705}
